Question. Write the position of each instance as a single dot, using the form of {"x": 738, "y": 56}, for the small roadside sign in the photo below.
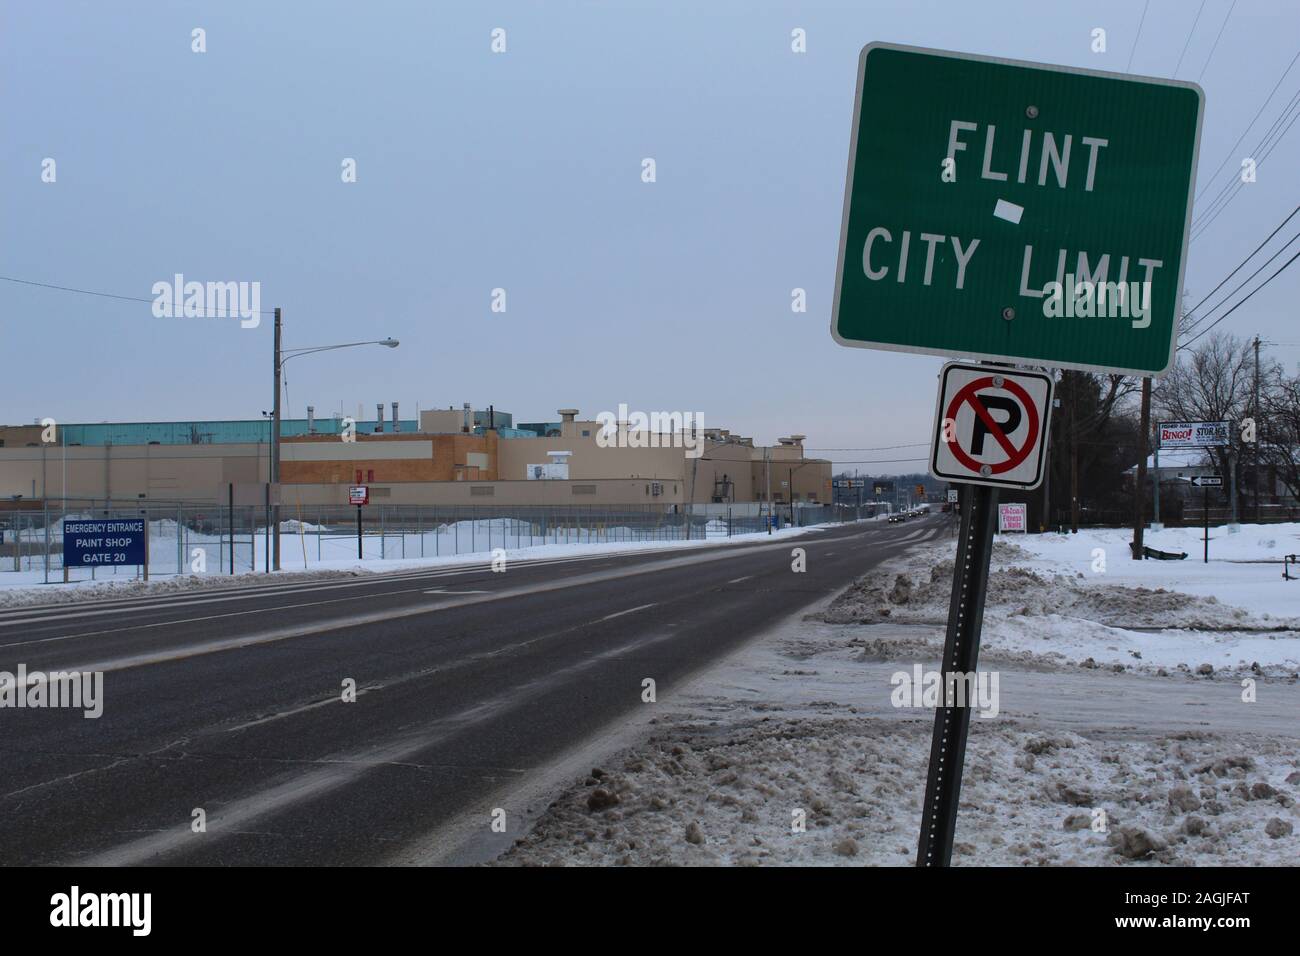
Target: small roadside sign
{"x": 359, "y": 495}
{"x": 991, "y": 426}
{"x": 105, "y": 542}
{"x": 1207, "y": 481}
{"x": 1013, "y": 516}
{"x": 952, "y": 496}
{"x": 1193, "y": 434}
{"x": 99, "y": 542}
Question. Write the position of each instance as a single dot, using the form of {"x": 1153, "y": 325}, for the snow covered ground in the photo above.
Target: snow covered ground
{"x": 1081, "y": 599}
{"x": 18, "y": 588}
{"x": 1108, "y": 715}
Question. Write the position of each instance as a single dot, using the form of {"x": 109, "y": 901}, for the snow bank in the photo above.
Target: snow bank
{"x": 1081, "y": 599}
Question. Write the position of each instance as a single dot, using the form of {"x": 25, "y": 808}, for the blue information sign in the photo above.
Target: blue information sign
{"x": 103, "y": 541}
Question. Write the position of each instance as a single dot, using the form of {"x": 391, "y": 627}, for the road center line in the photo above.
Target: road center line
{"x": 610, "y": 617}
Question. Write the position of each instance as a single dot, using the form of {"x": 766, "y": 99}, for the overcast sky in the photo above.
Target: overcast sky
{"x": 521, "y": 171}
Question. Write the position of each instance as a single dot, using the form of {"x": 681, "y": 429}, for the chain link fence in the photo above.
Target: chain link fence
{"x": 207, "y": 538}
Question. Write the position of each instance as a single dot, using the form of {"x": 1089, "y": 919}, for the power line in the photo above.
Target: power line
{"x": 1241, "y": 303}
{"x": 1188, "y": 41}
{"x": 1137, "y": 39}
{"x": 1246, "y": 280}
{"x": 1263, "y": 149}
{"x": 915, "y": 444}
{"x": 1239, "y": 268}
{"x": 103, "y": 295}
{"x": 1249, "y": 125}
{"x": 883, "y": 461}
{"x": 1217, "y": 37}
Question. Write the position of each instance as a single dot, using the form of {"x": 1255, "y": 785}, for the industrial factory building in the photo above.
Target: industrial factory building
{"x": 452, "y": 456}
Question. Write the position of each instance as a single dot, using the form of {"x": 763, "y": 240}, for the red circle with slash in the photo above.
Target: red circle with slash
{"x": 1015, "y": 455}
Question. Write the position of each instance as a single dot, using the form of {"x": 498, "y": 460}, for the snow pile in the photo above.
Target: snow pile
{"x": 1079, "y": 599}
{"x": 736, "y": 794}
{"x": 1080, "y": 767}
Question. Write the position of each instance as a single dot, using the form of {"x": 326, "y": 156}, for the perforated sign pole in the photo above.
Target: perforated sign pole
{"x": 979, "y": 516}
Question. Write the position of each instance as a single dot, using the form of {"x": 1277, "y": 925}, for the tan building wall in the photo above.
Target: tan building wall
{"x": 389, "y": 458}
{"x": 600, "y": 492}
{"x": 443, "y": 420}
{"x": 415, "y": 468}
{"x": 588, "y": 459}
{"x": 18, "y": 436}
{"x": 127, "y": 471}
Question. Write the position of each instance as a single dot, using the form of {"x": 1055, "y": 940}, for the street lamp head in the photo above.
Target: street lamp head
{"x": 391, "y": 343}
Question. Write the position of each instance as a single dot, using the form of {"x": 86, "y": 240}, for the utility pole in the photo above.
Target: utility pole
{"x": 1074, "y": 455}
{"x": 1155, "y": 480}
{"x": 1140, "y": 486}
{"x": 1255, "y": 417}
{"x": 767, "y": 469}
{"x": 275, "y": 453}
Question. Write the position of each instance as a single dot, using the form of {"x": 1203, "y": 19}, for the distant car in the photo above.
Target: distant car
{"x": 897, "y": 517}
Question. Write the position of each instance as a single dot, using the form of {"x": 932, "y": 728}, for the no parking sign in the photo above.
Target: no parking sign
{"x": 991, "y": 426}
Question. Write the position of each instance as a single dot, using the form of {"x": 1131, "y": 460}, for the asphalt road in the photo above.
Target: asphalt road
{"x": 469, "y": 684}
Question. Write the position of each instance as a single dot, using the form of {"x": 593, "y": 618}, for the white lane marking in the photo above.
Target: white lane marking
{"x": 610, "y": 617}
{"x": 738, "y": 580}
{"x": 442, "y": 591}
{"x": 1008, "y": 211}
{"x": 188, "y": 620}
{"x": 339, "y": 770}
{"x": 91, "y": 609}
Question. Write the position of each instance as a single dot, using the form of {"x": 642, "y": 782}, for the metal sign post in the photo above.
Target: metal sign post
{"x": 1206, "y": 482}
{"x": 359, "y": 495}
{"x": 979, "y": 512}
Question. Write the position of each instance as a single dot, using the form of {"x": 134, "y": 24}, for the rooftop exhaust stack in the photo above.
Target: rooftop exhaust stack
{"x": 379, "y": 420}
{"x": 567, "y": 415}
{"x": 467, "y": 425}
{"x": 311, "y": 419}
{"x": 397, "y": 425}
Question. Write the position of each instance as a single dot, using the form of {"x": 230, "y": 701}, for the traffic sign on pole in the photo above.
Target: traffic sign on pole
{"x": 1207, "y": 481}
{"x": 991, "y": 426}
{"x": 1015, "y": 211}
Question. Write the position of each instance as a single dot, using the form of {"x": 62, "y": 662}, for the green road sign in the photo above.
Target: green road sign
{"x": 1016, "y": 211}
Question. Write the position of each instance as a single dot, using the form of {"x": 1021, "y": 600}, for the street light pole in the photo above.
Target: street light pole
{"x": 280, "y": 358}
{"x": 275, "y": 452}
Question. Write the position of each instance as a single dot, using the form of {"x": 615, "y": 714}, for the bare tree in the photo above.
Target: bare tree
{"x": 1279, "y": 426}
{"x": 1214, "y": 382}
